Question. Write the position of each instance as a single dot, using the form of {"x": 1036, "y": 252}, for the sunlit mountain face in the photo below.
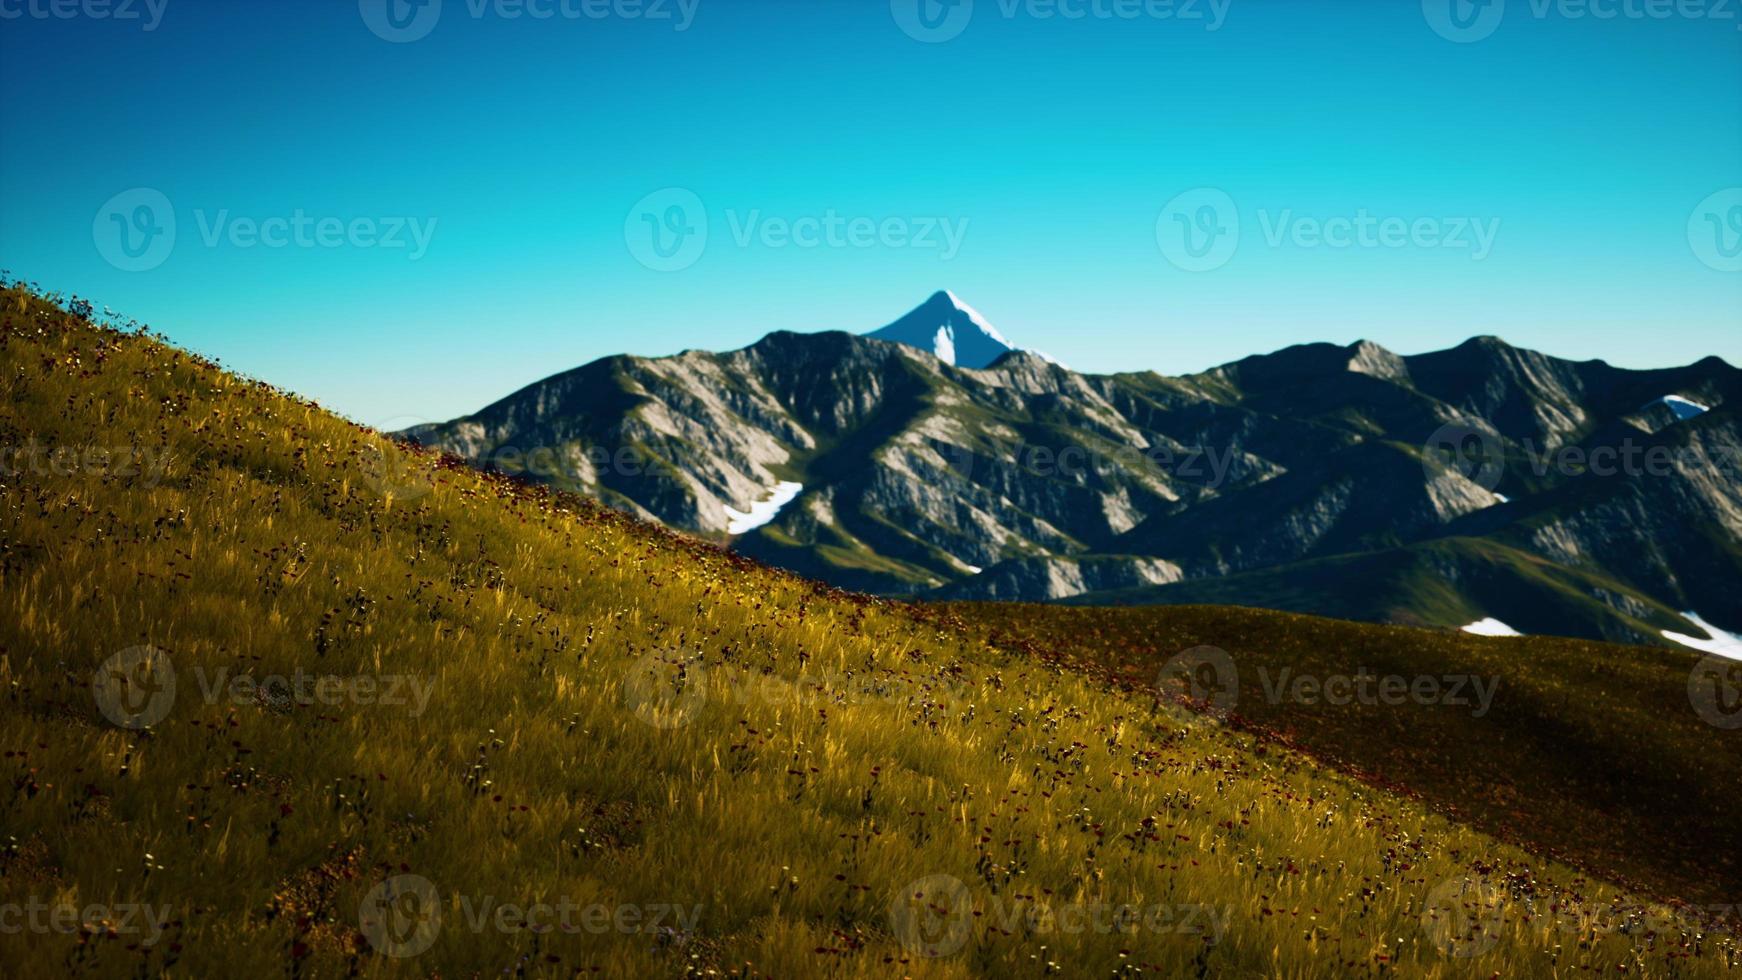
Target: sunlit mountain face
{"x": 1476, "y": 487}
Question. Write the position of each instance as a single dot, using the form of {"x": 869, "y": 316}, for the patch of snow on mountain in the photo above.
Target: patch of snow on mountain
{"x": 1721, "y": 643}
{"x": 944, "y": 345}
{"x": 1683, "y": 408}
{"x": 763, "y": 511}
{"x": 1490, "y": 626}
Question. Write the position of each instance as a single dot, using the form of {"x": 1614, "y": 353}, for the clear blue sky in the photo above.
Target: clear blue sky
{"x": 528, "y": 142}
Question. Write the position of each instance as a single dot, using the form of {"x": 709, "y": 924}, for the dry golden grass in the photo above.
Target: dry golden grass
{"x": 628, "y": 724}
{"x": 1596, "y": 753}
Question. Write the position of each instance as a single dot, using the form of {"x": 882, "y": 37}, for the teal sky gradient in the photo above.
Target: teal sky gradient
{"x": 1058, "y": 142}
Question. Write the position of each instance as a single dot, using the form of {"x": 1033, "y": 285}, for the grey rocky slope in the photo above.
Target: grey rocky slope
{"x": 1315, "y": 474}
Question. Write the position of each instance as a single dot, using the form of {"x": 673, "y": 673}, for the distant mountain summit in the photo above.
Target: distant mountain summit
{"x": 950, "y": 329}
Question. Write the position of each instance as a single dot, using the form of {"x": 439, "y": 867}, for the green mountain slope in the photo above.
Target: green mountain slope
{"x": 1585, "y": 750}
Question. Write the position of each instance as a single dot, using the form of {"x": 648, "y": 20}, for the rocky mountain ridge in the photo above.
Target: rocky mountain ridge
{"x": 1430, "y": 489}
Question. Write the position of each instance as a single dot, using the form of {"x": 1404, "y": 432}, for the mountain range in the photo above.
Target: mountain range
{"x": 1486, "y": 486}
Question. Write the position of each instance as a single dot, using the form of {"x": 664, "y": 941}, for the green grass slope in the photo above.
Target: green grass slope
{"x": 516, "y": 734}
{"x": 1609, "y": 756}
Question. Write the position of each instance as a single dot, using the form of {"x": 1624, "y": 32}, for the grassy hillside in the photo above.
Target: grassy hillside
{"x": 1591, "y": 751}
{"x": 513, "y": 733}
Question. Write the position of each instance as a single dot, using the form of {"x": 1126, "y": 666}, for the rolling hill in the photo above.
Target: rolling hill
{"x": 1582, "y": 749}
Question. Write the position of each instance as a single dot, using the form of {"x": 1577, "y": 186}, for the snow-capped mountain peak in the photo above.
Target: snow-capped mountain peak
{"x": 975, "y": 318}
{"x": 951, "y": 329}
